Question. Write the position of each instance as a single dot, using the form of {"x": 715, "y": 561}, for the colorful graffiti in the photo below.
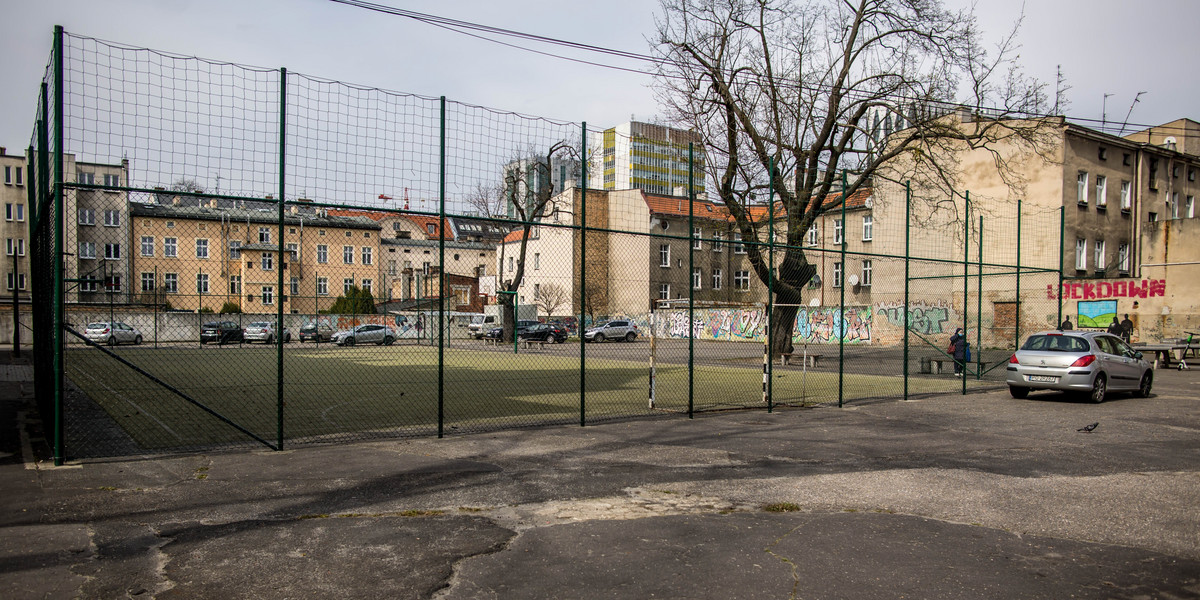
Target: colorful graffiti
{"x": 923, "y": 318}
{"x": 1146, "y": 288}
{"x": 826, "y": 325}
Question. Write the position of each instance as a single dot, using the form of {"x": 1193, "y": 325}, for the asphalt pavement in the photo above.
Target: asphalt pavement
{"x": 977, "y": 496}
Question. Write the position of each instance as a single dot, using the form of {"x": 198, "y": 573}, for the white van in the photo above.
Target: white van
{"x": 480, "y": 324}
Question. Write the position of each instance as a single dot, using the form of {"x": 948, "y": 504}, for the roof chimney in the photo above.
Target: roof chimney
{"x": 2, "y": 149}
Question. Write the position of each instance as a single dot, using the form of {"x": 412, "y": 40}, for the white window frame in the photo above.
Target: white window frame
{"x": 664, "y": 255}
{"x": 264, "y": 235}
{"x": 267, "y": 261}
{"x": 697, "y": 278}
{"x": 348, "y": 255}
{"x": 88, "y": 284}
{"x": 866, "y": 273}
{"x": 837, "y": 274}
{"x": 1123, "y": 256}
{"x": 697, "y": 238}
{"x": 235, "y": 284}
{"x": 366, "y": 285}
{"x": 1126, "y": 195}
{"x": 322, "y": 286}
{"x": 87, "y": 216}
{"x": 148, "y": 282}
{"x": 294, "y": 287}
{"x": 1101, "y": 259}
{"x": 235, "y": 249}
{"x": 839, "y": 233}
{"x": 1081, "y": 187}
{"x": 171, "y": 283}
{"x": 171, "y": 247}
{"x": 201, "y": 283}
{"x": 716, "y": 279}
{"x": 741, "y": 281}
{"x": 537, "y": 261}
{"x": 201, "y": 248}
{"x": 1101, "y": 191}
{"x": 293, "y": 251}
{"x": 87, "y": 250}
{"x": 738, "y": 246}
{"x": 1174, "y": 205}
{"x": 868, "y": 228}
{"x": 147, "y": 245}
{"x": 718, "y": 239}
{"x": 813, "y": 233}
{"x": 322, "y": 254}
{"x": 664, "y": 291}
{"x": 112, "y": 218}
{"x": 112, "y": 251}
{"x": 1080, "y": 254}
{"x": 367, "y": 256}
{"x": 1190, "y": 207}
{"x": 347, "y": 283}
{"x": 268, "y": 295}
{"x": 112, "y": 180}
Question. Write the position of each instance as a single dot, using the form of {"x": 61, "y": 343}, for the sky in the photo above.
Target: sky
{"x": 1115, "y": 47}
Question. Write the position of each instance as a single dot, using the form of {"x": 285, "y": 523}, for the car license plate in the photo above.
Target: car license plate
{"x": 1043, "y": 378}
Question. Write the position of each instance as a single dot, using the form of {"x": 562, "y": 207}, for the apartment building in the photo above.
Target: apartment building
{"x": 653, "y": 158}
{"x": 14, "y": 194}
{"x": 97, "y": 263}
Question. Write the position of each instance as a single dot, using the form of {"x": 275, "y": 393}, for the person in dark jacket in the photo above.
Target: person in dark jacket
{"x": 958, "y": 342}
{"x": 1066, "y": 324}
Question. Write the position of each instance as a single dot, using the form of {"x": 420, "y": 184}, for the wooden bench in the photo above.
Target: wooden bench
{"x": 936, "y": 365}
{"x": 528, "y": 344}
{"x": 492, "y": 341}
{"x": 810, "y": 359}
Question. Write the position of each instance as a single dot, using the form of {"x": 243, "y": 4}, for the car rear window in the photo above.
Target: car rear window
{"x": 97, "y": 326}
{"x": 1056, "y": 343}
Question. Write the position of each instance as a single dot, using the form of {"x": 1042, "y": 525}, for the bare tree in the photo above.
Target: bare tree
{"x": 785, "y": 93}
{"x": 187, "y": 185}
{"x": 549, "y": 297}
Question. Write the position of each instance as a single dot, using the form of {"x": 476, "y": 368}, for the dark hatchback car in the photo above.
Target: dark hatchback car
{"x": 545, "y": 332}
{"x": 222, "y": 332}
{"x": 497, "y": 333}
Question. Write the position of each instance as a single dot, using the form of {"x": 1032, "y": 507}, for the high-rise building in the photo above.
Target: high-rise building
{"x": 651, "y": 158}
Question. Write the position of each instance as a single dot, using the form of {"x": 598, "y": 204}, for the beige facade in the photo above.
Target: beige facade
{"x": 14, "y": 194}
{"x": 201, "y": 257}
{"x": 96, "y": 231}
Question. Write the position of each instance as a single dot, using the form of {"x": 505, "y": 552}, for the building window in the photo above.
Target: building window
{"x": 537, "y": 291}
{"x": 838, "y": 237}
{"x": 741, "y": 280}
{"x": 16, "y": 212}
{"x": 348, "y": 254}
{"x": 366, "y": 285}
{"x": 837, "y": 274}
{"x": 202, "y": 283}
{"x": 294, "y": 251}
{"x": 147, "y": 282}
{"x": 510, "y": 264}
{"x": 1101, "y": 191}
{"x": 716, "y": 284}
{"x": 664, "y": 291}
{"x": 697, "y": 278}
{"x": 391, "y": 268}
{"x": 664, "y": 255}
{"x": 264, "y": 235}
{"x": 170, "y": 247}
{"x": 738, "y": 246}
{"x": 1123, "y": 256}
{"x": 88, "y": 284}
{"x": 812, "y": 234}
{"x": 347, "y": 283}
{"x": 295, "y": 287}
{"x": 235, "y": 284}
{"x": 717, "y": 239}
{"x": 87, "y": 216}
{"x": 1126, "y": 196}
{"x": 1152, "y": 217}
{"x": 85, "y": 178}
{"x": 16, "y": 246}
{"x": 8, "y": 179}
{"x": 201, "y": 248}
{"x": 1190, "y": 207}
{"x": 322, "y": 254}
{"x": 366, "y": 255}
{"x": 21, "y": 182}
{"x": 235, "y": 249}
{"x": 1081, "y": 187}
{"x": 1081, "y": 254}
{"x": 537, "y": 261}
{"x": 1101, "y": 259}
{"x": 1103, "y": 153}
{"x": 112, "y": 284}
{"x": 697, "y": 237}
{"x": 1174, "y": 205}
{"x": 112, "y": 218}
{"x": 112, "y": 180}
{"x": 171, "y": 283}
{"x": 866, "y": 273}
{"x": 868, "y": 228}
{"x": 268, "y": 294}
{"x": 112, "y": 252}
{"x": 20, "y": 280}
{"x": 87, "y": 250}
{"x": 268, "y": 261}
{"x": 322, "y": 286}
{"x": 147, "y": 245}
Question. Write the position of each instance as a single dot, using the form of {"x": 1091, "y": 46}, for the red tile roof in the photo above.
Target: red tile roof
{"x": 370, "y": 214}
{"x": 423, "y": 222}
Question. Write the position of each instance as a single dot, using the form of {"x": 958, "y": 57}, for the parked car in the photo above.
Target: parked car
{"x": 480, "y": 325}
{"x": 116, "y": 332}
{"x": 264, "y": 331}
{"x": 365, "y": 334}
{"x": 221, "y": 332}
{"x": 612, "y": 330}
{"x": 1093, "y": 363}
{"x": 544, "y": 332}
{"x": 497, "y": 333}
{"x": 316, "y": 332}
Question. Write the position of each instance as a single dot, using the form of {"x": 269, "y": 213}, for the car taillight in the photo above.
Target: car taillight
{"x": 1084, "y": 361}
{"x": 1013, "y": 360}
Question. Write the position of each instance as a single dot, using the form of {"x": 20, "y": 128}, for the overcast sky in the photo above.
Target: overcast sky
{"x": 1118, "y": 47}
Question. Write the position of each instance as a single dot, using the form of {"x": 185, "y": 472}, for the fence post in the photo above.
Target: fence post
{"x": 979, "y": 310}
{"x": 691, "y": 291}
{"x": 966, "y": 279}
{"x": 1062, "y": 232}
{"x": 907, "y": 272}
{"x": 442, "y": 258}
{"x": 769, "y": 368}
{"x": 580, "y": 326}
{"x": 282, "y": 260}
{"x": 842, "y": 302}
{"x": 58, "y": 320}
{"x": 1017, "y": 321}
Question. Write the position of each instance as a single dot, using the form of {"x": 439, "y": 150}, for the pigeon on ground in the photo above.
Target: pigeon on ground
{"x": 1089, "y": 428}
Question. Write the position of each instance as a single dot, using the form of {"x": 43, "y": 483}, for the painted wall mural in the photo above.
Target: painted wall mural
{"x": 813, "y": 325}
{"x": 923, "y": 318}
{"x": 1146, "y": 288}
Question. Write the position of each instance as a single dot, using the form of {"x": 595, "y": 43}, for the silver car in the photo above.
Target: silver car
{"x": 612, "y": 330}
{"x": 1089, "y": 362}
{"x": 103, "y": 332}
{"x": 264, "y": 331}
{"x": 365, "y": 334}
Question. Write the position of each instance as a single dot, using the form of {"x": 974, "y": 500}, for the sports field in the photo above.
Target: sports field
{"x": 362, "y": 392}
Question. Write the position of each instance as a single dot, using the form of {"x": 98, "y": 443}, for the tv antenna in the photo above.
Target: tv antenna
{"x": 1133, "y": 104}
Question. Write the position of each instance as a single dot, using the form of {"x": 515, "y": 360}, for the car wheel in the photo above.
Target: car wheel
{"x": 1020, "y": 393}
{"x": 599, "y": 337}
{"x": 137, "y": 341}
{"x": 629, "y": 337}
{"x": 1147, "y": 383}
{"x": 389, "y": 340}
{"x": 1099, "y": 389}
{"x": 287, "y": 339}
{"x": 112, "y": 340}
{"x": 270, "y": 340}
{"x": 349, "y": 341}
{"x": 202, "y": 342}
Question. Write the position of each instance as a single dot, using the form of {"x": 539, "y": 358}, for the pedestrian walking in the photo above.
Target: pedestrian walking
{"x": 1126, "y": 329}
{"x": 958, "y": 349}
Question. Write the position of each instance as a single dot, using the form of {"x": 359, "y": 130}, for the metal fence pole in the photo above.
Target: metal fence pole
{"x": 580, "y": 327}
{"x": 58, "y": 320}
{"x": 907, "y": 272}
{"x": 442, "y": 244}
{"x": 841, "y": 326}
{"x": 769, "y": 368}
{"x": 282, "y": 261}
{"x": 691, "y": 291}
{"x": 1062, "y": 232}
{"x": 966, "y": 280}
{"x": 979, "y": 310}
{"x": 1017, "y": 321}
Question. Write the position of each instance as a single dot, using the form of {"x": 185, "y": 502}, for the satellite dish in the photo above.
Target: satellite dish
{"x": 853, "y": 279}
{"x": 815, "y": 302}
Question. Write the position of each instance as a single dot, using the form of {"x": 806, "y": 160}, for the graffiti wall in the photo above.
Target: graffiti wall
{"x": 923, "y": 318}
{"x": 813, "y": 325}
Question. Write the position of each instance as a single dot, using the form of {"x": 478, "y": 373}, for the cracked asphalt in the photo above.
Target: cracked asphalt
{"x": 977, "y": 496}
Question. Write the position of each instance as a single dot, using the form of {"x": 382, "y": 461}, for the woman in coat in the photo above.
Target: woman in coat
{"x": 958, "y": 344}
